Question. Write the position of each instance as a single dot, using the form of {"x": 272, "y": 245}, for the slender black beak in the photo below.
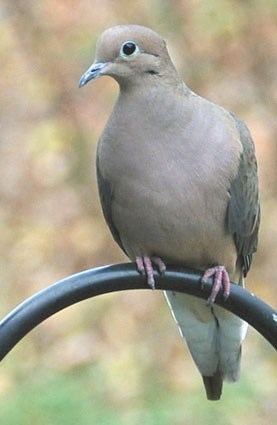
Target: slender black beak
{"x": 92, "y": 73}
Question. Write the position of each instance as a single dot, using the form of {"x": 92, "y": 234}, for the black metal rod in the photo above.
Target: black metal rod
{"x": 121, "y": 277}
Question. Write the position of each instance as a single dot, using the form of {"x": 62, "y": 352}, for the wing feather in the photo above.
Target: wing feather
{"x": 243, "y": 217}
{"x": 106, "y": 198}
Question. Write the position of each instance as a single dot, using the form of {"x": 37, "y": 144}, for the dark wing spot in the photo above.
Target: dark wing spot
{"x": 106, "y": 198}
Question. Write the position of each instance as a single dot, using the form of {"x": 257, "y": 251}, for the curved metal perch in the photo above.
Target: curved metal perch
{"x": 120, "y": 277}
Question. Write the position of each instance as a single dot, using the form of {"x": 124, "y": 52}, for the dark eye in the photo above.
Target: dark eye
{"x": 129, "y": 48}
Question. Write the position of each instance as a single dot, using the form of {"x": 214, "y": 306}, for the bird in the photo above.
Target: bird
{"x": 178, "y": 185}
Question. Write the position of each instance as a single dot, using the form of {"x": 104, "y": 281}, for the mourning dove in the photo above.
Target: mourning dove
{"x": 178, "y": 185}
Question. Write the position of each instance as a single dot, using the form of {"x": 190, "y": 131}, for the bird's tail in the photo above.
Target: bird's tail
{"x": 213, "y": 385}
{"x": 199, "y": 328}
{"x": 213, "y": 337}
{"x": 231, "y": 333}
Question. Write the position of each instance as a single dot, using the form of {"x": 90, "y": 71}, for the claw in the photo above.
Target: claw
{"x": 160, "y": 264}
{"x": 221, "y": 280}
{"x": 144, "y": 266}
{"x": 140, "y": 265}
{"x": 149, "y": 271}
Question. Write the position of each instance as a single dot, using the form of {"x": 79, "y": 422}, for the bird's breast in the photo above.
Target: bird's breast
{"x": 170, "y": 190}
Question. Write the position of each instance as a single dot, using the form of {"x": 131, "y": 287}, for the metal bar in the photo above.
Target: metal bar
{"x": 121, "y": 277}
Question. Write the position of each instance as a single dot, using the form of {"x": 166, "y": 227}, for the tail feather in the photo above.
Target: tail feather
{"x": 213, "y": 337}
{"x": 198, "y": 327}
{"x": 213, "y": 385}
{"x": 232, "y": 331}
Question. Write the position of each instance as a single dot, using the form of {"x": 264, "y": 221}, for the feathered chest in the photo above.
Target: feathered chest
{"x": 189, "y": 150}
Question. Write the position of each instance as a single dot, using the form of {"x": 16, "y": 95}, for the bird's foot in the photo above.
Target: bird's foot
{"x": 221, "y": 280}
{"x": 144, "y": 266}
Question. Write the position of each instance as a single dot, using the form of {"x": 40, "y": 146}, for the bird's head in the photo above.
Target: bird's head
{"x": 129, "y": 53}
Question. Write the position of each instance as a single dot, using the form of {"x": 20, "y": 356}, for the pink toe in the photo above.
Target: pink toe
{"x": 220, "y": 281}
{"x": 140, "y": 265}
{"x": 144, "y": 266}
{"x": 160, "y": 264}
{"x": 149, "y": 271}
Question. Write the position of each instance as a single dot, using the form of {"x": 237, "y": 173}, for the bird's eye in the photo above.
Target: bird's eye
{"x": 129, "y": 49}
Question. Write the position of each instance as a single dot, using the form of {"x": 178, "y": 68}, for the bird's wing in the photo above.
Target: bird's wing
{"x": 106, "y": 195}
{"x": 243, "y": 216}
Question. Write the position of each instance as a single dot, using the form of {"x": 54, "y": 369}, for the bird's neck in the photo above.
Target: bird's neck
{"x": 164, "y": 78}
{"x": 153, "y": 89}
{"x": 148, "y": 103}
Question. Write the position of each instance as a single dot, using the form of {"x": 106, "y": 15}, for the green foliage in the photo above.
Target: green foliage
{"x": 83, "y": 397}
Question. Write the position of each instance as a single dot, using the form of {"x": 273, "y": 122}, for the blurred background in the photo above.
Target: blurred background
{"x": 118, "y": 359}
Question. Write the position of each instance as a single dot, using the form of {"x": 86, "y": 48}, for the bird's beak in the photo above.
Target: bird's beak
{"x": 93, "y": 72}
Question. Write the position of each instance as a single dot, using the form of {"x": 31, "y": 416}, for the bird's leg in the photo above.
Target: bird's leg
{"x": 221, "y": 280}
{"x": 144, "y": 266}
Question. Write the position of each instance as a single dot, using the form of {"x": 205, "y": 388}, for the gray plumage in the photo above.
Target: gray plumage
{"x": 177, "y": 178}
{"x": 244, "y": 207}
{"x": 106, "y": 198}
